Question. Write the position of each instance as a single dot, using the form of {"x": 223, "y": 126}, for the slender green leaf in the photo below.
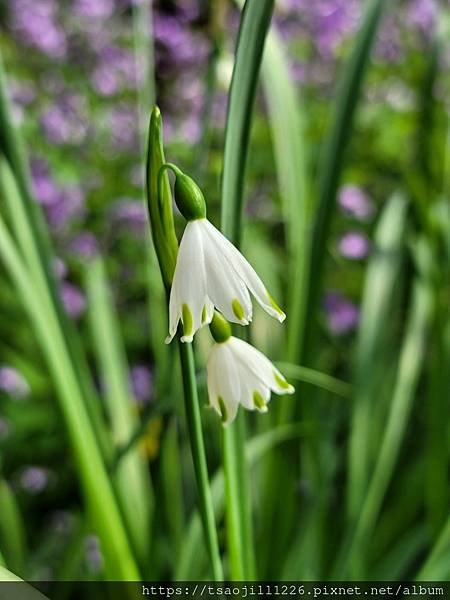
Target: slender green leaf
{"x": 316, "y": 378}
{"x": 119, "y": 560}
{"x": 333, "y": 154}
{"x": 12, "y": 530}
{"x": 131, "y": 477}
{"x": 381, "y": 278}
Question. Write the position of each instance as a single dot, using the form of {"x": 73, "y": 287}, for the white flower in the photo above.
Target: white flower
{"x": 210, "y": 272}
{"x": 240, "y": 374}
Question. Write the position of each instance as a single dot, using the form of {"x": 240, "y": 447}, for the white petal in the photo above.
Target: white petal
{"x": 225, "y": 289}
{"x": 245, "y": 271}
{"x": 223, "y": 381}
{"x": 255, "y": 361}
{"x": 251, "y": 385}
{"x": 189, "y": 286}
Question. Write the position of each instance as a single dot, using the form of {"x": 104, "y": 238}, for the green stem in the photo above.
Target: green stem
{"x": 199, "y": 457}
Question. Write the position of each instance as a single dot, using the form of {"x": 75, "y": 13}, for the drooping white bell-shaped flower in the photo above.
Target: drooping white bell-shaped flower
{"x": 237, "y": 373}
{"x": 210, "y": 272}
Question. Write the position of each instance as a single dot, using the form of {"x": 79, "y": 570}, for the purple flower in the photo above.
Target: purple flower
{"x": 73, "y": 300}
{"x": 13, "y": 383}
{"x": 354, "y": 245}
{"x": 141, "y": 380}
{"x": 34, "y": 479}
{"x": 36, "y": 24}
{"x": 84, "y": 245}
{"x": 59, "y": 268}
{"x": 342, "y": 315}
{"x": 94, "y": 557}
{"x": 45, "y": 188}
{"x": 94, "y": 9}
{"x": 422, "y": 14}
{"x": 69, "y": 205}
{"x": 131, "y": 215}
{"x": 65, "y": 121}
{"x": 123, "y": 123}
{"x": 355, "y": 202}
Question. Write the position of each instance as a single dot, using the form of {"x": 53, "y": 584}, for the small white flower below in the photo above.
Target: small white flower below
{"x": 210, "y": 272}
{"x": 240, "y": 374}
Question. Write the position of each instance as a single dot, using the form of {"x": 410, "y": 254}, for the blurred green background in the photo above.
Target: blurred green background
{"x": 346, "y": 218}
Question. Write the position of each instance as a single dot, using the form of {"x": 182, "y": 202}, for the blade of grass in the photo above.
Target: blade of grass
{"x": 333, "y": 154}
{"x": 316, "y": 378}
{"x": 119, "y": 560}
{"x": 132, "y": 480}
{"x": 255, "y": 21}
{"x": 171, "y": 485}
{"x": 27, "y": 592}
{"x": 436, "y": 565}
{"x": 381, "y": 278}
{"x": 199, "y": 456}
{"x": 409, "y": 369}
{"x": 257, "y": 448}
{"x": 285, "y": 113}
{"x": 12, "y": 530}
{"x": 33, "y": 239}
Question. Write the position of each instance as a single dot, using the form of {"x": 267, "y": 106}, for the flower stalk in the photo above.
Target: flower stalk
{"x": 166, "y": 245}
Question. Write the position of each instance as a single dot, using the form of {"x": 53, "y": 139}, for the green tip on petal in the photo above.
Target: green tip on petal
{"x": 238, "y": 310}
{"x": 204, "y": 314}
{"x": 259, "y": 402}
{"x": 283, "y": 384}
{"x": 223, "y": 409}
{"x": 277, "y": 309}
{"x": 187, "y": 319}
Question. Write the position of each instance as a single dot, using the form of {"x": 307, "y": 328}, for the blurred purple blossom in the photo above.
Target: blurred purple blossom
{"x": 141, "y": 380}
{"x": 342, "y": 315}
{"x": 115, "y": 70}
{"x": 69, "y": 205}
{"x": 423, "y": 14}
{"x": 94, "y": 557}
{"x": 94, "y": 9}
{"x": 354, "y": 245}
{"x": 59, "y": 268}
{"x": 73, "y": 299}
{"x": 44, "y": 186}
{"x": 65, "y": 121}
{"x": 84, "y": 245}
{"x": 13, "y": 383}
{"x": 123, "y": 124}
{"x": 354, "y": 202}
{"x": 34, "y": 479}
{"x": 130, "y": 215}
{"x": 36, "y": 24}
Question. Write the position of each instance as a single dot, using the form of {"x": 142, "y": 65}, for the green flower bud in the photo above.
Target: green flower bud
{"x": 189, "y": 198}
{"x": 220, "y": 328}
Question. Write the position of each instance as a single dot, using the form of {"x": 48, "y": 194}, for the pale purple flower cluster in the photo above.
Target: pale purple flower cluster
{"x": 130, "y": 215}
{"x": 141, "y": 380}
{"x": 13, "y": 383}
{"x": 34, "y": 479}
{"x": 354, "y": 245}
{"x": 62, "y": 204}
{"x": 65, "y": 120}
{"x": 73, "y": 299}
{"x": 355, "y": 202}
{"x": 342, "y": 314}
{"x": 37, "y": 24}
{"x": 115, "y": 70}
{"x": 93, "y": 553}
{"x": 181, "y": 55}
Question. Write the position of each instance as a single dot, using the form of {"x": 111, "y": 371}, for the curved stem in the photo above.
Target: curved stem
{"x": 199, "y": 457}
